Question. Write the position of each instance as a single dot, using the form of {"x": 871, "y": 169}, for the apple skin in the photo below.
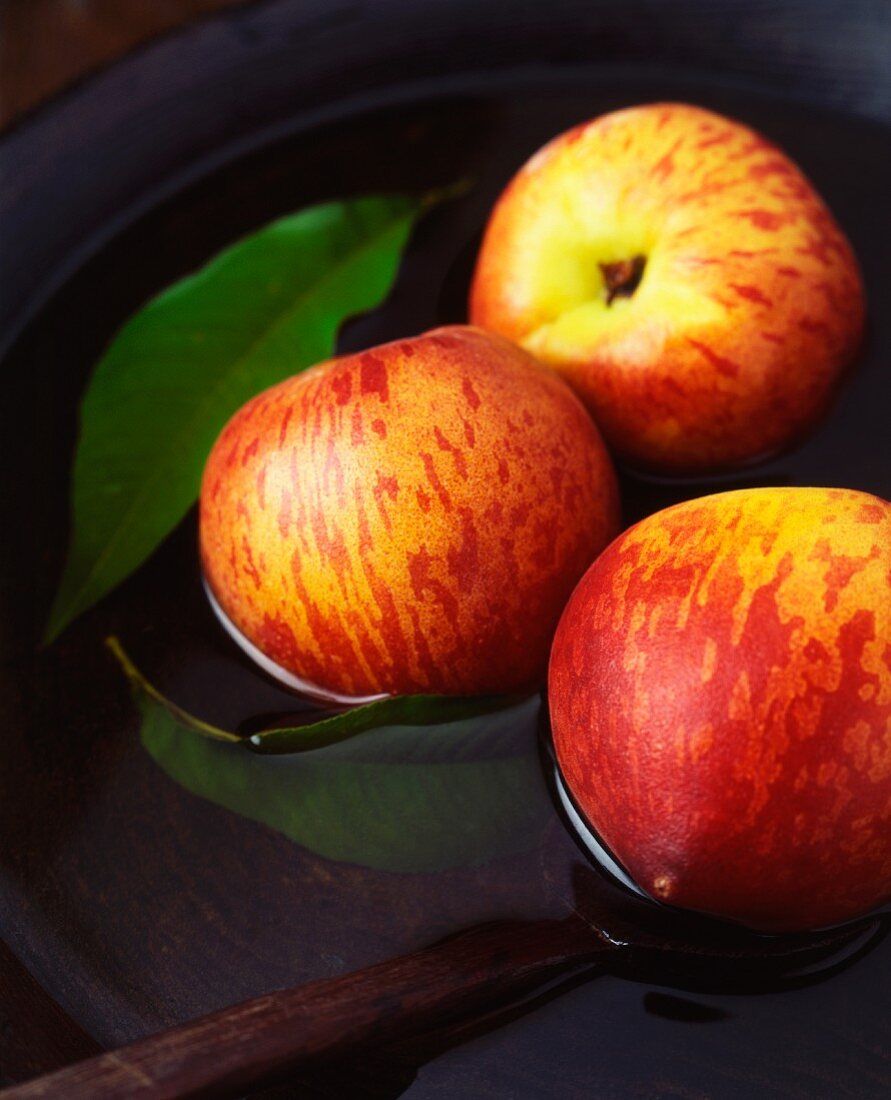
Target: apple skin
{"x": 720, "y": 697}
{"x": 749, "y": 309}
{"x": 409, "y": 519}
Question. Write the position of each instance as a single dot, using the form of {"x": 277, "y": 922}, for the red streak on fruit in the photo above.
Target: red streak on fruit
{"x": 751, "y": 293}
{"x": 721, "y": 138}
{"x": 283, "y": 430}
{"x": 819, "y": 248}
{"x": 870, "y": 513}
{"x": 721, "y": 363}
{"x": 435, "y": 484}
{"x": 841, "y": 569}
{"x": 357, "y": 428}
{"x": 276, "y": 638}
{"x": 374, "y": 376}
{"x": 248, "y": 453}
{"x": 424, "y": 583}
{"x": 470, "y": 393}
{"x": 394, "y": 649}
{"x": 341, "y": 383}
{"x": 664, "y": 167}
{"x": 774, "y": 167}
{"x": 767, "y": 220}
{"x": 664, "y": 118}
{"x": 464, "y": 560}
{"x": 813, "y": 324}
{"x": 455, "y": 452}
{"x": 284, "y": 513}
{"x": 248, "y": 567}
{"x": 385, "y": 486}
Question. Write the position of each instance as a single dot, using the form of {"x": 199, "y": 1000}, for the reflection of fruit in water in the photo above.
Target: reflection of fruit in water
{"x": 683, "y": 276}
{"x": 720, "y": 693}
{"x": 411, "y": 518}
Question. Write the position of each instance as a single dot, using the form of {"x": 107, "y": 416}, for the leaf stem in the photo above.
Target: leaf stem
{"x": 397, "y": 710}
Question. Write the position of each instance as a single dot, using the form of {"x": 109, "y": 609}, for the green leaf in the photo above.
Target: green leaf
{"x": 397, "y": 710}
{"x": 403, "y": 799}
{"x": 263, "y": 310}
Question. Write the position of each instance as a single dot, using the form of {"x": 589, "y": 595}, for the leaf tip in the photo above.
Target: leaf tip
{"x": 57, "y": 622}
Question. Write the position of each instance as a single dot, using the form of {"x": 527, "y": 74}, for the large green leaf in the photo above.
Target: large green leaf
{"x": 264, "y": 309}
{"x": 401, "y": 799}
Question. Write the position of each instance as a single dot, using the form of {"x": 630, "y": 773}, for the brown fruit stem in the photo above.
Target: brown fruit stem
{"x": 622, "y": 277}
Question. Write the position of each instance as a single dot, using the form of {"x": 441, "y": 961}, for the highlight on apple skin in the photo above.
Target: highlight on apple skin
{"x": 720, "y": 696}
{"x": 684, "y": 276}
{"x": 409, "y": 519}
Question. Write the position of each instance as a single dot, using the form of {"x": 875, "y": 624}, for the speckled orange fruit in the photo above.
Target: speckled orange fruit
{"x": 720, "y": 692}
{"x": 408, "y": 519}
{"x": 749, "y": 303}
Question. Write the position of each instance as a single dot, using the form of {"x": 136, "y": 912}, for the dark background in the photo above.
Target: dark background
{"x": 233, "y": 77}
{"x": 120, "y": 184}
{"x": 47, "y": 44}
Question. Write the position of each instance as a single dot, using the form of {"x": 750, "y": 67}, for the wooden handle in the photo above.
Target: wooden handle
{"x": 265, "y": 1039}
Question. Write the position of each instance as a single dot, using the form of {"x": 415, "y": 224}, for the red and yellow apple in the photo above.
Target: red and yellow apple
{"x": 720, "y": 695}
{"x": 686, "y": 279}
{"x": 409, "y": 519}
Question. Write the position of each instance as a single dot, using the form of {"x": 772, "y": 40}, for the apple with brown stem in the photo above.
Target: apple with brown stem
{"x": 409, "y": 519}
{"x": 686, "y": 279}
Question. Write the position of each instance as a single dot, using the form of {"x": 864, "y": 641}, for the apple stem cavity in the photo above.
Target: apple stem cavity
{"x": 622, "y": 277}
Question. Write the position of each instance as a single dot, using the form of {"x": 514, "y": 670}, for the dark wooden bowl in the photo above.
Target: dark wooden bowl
{"x": 128, "y": 904}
